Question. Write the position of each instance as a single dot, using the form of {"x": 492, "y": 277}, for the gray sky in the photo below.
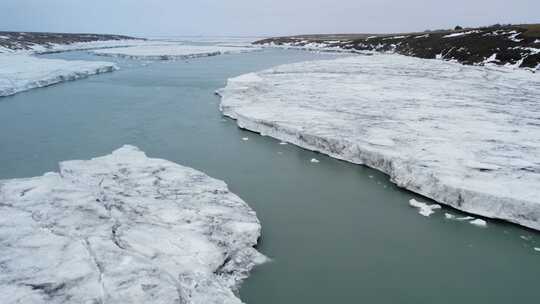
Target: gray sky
{"x": 258, "y": 17}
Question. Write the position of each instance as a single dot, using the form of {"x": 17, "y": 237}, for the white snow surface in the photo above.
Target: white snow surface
{"x": 124, "y": 228}
{"x": 23, "y": 72}
{"x": 79, "y": 46}
{"x": 465, "y": 136}
{"x": 460, "y": 34}
{"x": 172, "y": 52}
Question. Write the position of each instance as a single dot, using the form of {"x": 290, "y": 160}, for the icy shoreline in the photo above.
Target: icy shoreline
{"x": 172, "y": 52}
{"x": 124, "y": 228}
{"x": 20, "y": 73}
{"x": 468, "y": 137}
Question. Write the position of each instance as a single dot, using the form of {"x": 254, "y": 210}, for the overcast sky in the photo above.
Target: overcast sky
{"x": 258, "y": 17}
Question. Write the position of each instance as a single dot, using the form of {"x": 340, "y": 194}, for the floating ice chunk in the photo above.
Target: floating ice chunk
{"x": 245, "y": 138}
{"x": 124, "y": 228}
{"x": 314, "y": 160}
{"x": 282, "y": 143}
{"x": 22, "y": 72}
{"x": 450, "y": 216}
{"x": 537, "y": 249}
{"x": 479, "y": 223}
{"x": 423, "y": 208}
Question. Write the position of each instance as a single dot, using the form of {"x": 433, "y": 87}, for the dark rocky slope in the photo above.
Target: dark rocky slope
{"x": 26, "y": 40}
{"x": 517, "y": 45}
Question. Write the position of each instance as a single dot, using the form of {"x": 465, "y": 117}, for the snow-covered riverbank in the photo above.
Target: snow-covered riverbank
{"x": 124, "y": 228}
{"x": 21, "y": 72}
{"x": 468, "y": 137}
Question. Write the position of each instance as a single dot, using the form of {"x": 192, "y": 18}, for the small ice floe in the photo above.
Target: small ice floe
{"x": 537, "y": 249}
{"x": 423, "y": 208}
{"x": 470, "y": 219}
{"x": 479, "y": 223}
{"x": 370, "y": 176}
{"x": 525, "y": 238}
{"x": 314, "y": 160}
{"x": 450, "y": 216}
{"x": 245, "y": 138}
{"x": 282, "y": 143}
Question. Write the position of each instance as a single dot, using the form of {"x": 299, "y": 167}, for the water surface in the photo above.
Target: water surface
{"x": 337, "y": 232}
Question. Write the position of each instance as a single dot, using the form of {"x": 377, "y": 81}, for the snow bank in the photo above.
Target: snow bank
{"x": 81, "y": 46}
{"x": 78, "y": 46}
{"x": 21, "y": 72}
{"x": 465, "y": 136}
{"x": 124, "y": 228}
{"x": 172, "y": 52}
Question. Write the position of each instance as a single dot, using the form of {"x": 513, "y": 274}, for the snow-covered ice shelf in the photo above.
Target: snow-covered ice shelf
{"x": 78, "y": 46}
{"x": 172, "y": 52}
{"x": 465, "y": 136}
{"x": 22, "y": 72}
{"x": 124, "y": 228}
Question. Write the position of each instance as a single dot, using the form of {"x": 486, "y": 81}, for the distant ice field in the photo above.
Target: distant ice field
{"x": 173, "y": 51}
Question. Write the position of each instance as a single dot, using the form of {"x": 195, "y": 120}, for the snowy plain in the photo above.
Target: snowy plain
{"x": 173, "y": 51}
{"x": 465, "y": 136}
{"x": 22, "y": 72}
{"x": 124, "y": 228}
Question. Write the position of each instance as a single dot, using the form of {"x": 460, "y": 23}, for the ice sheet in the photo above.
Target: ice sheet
{"x": 124, "y": 228}
{"x": 465, "y": 136}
